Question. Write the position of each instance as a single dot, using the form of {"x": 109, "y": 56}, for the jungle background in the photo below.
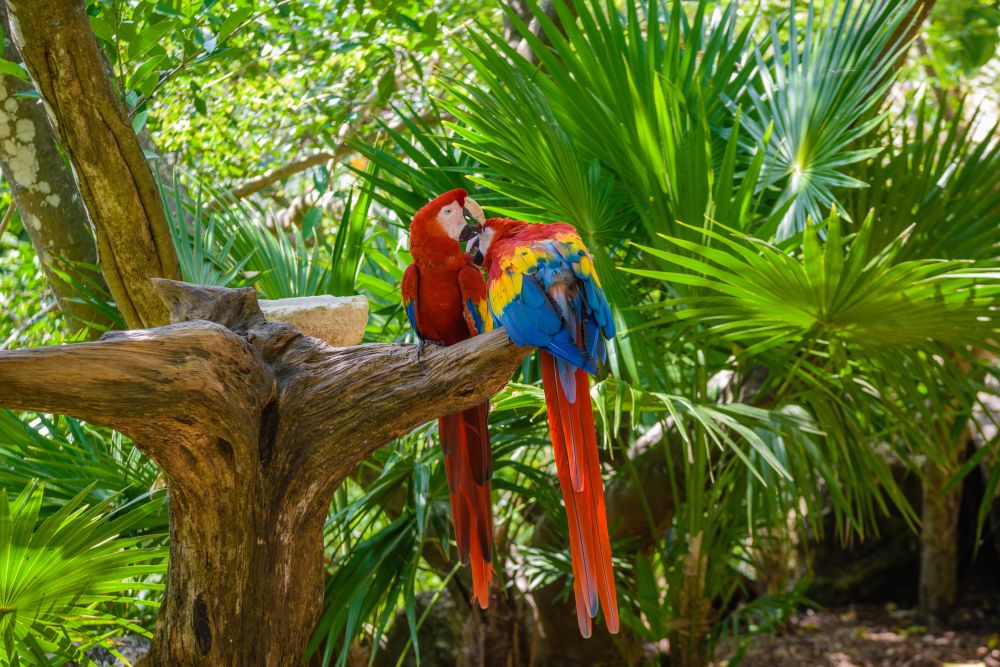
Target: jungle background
{"x": 795, "y": 211}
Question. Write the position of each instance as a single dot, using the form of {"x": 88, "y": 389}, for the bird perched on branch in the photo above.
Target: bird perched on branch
{"x": 444, "y": 295}
{"x": 544, "y": 291}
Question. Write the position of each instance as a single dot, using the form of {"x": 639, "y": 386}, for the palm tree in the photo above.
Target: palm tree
{"x": 802, "y": 271}
{"x": 68, "y": 575}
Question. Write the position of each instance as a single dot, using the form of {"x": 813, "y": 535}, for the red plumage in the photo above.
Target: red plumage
{"x": 590, "y": 546}
{"x": 439, "y": 289}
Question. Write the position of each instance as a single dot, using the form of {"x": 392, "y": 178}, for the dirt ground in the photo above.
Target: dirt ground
{"x": 877, "y": 636}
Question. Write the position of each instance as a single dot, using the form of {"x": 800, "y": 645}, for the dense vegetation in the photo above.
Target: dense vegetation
{"x": 796, "y": 217}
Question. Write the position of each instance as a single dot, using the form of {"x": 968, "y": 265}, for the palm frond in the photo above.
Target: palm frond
{"x": 71, "y": 455}
{"x": 62, "y": 570}
{"x": 819, "y": 98}
{"x": 759, "y": 296}
{"x": 936, "y": 176}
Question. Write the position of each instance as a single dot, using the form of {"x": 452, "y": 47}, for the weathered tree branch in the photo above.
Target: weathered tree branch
{"x": 58, "y": 46}
{"x": 524, "y": 12}
{"x": 190, "y": 371}
{"x": 271, "y": 177}
{"x": 125, "y": 377}
{"x": 255, "y": 425}
{"x": 908, "y": 30}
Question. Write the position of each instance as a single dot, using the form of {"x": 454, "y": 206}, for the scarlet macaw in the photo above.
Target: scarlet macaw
{"x": 444, "y": 295}
{"x": 545, "y": 293}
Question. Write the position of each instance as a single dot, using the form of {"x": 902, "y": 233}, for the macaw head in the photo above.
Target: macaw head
{"x": 489, "y": 231}
{"x": 445, "y": 222}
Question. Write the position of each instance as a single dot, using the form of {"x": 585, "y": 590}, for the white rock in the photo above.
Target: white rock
{"x": 337, "y": 320}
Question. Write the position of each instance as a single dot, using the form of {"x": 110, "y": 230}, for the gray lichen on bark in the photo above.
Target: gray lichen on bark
{"x": 44, "y": 191}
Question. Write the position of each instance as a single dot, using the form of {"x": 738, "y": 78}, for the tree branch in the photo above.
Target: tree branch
{"x": 305, "y": 408}
{"x": 277, "y": 174}
{"x": 45, "y": 193}
{"x": 257, "y": 184}
{"x": 907, "y": 32}
{"x": 168, "y": 373}
{"x": 389, "y": 391}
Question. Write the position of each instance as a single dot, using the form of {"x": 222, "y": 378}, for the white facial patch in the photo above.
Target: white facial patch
{"x": 485, "y": 239}
{"x": 452, "y": 220}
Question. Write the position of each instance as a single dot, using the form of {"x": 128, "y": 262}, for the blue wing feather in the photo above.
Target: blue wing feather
{"x": 411, "y": 314}
{"x": 570, "y": 318}
{"x": 477, "y": 319}
{"x": 409, "y": 288}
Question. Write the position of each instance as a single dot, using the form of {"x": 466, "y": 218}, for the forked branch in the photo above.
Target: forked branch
{"x": 260, "y": 393}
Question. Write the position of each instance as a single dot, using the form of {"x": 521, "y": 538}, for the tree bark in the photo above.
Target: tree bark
{"x": 255, "y": 426}
{"x": 45, "y": 193}
{"x": 523, "y": 11}
{"x": 908, "y": 30}
{"x": 59, "y": 48}
{"x": 939, "y": 541}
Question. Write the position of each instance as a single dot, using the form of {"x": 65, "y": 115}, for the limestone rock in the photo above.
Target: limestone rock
{"x": 337, "y": 320}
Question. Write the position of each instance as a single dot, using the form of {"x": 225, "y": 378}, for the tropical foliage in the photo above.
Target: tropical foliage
{"x": 69, "y": 576}
{"x": 798, "y": 242}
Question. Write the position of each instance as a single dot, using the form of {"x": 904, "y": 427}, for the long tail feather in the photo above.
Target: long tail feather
{"x": 467, "y": 458}
{"x": 605, "y": 572}
{"x": 571, "y": 424}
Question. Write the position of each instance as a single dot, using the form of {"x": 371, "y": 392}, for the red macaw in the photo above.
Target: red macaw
{"x": 444, "y": 295}
{"x": 545, "y": 293}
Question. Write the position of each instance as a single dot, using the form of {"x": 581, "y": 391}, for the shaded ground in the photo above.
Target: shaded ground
{"x": 877, "y": 636}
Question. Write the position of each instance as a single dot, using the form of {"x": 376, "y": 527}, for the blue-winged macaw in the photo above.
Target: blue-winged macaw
{"x": 544, "y": 291}
{"x": 444, "y": 295}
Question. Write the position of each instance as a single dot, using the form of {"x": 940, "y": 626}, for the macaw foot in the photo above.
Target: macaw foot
{"x": 422, "y": 344}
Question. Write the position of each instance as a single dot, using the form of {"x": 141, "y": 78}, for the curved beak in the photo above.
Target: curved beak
{"x": 469, "y": 217}
{"x": 472, "y": 224}
{"x": 474, "y": 219}
{"x": 472, "y": 250}
{"x": 470, "y": 230}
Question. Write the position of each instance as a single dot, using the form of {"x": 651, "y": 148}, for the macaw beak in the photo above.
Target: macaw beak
{"x": 468, "y": 231}
{"x": 469, "y": 217}
{"x": 475, "y": 220}
{"x": 472, "y": 250}
{"x": 472, "y": 225}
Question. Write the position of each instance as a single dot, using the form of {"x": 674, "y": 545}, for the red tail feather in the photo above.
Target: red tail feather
{"x": 575, "y": 443}
{"x": 466, "y": 444}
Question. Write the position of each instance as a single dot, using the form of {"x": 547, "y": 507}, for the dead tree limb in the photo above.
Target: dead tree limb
{"x": 255, "y": 426}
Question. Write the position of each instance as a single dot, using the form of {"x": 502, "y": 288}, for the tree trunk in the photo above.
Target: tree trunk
{"x": 523, "y": 11}
{"x": 253, "y": 594}
{"x": 939, "y": 544}
{"x": 58, "y": 46}
{"x": 255, "y": 426}
{"x": 45, "y": 193}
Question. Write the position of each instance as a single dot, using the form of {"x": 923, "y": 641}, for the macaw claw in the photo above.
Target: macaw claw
{"x": 423, "y": 343}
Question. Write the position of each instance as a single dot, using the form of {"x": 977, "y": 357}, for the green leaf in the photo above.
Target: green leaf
{"x": 150, "y": 36}
{"x": 8, "y": 68}
{"x": 232, "y": 22}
